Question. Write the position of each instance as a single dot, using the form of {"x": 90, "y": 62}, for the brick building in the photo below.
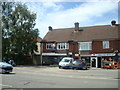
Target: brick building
{"x": 94, "y": 44}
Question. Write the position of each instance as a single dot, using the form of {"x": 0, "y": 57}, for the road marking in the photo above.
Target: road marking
{"x": 26, "y": 83}
{"x": 5, "y": 85}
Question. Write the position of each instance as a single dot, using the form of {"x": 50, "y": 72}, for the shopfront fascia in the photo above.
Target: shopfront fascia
{"x": 97, "y": 60}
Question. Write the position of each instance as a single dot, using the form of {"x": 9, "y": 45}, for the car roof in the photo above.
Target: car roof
{"x": 2, "y": 62}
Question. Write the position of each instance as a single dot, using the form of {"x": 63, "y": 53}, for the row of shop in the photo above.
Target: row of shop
{"x": 95, "y": 60}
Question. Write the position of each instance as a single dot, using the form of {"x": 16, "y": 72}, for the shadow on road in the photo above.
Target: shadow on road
{"x": 8, "y": 73}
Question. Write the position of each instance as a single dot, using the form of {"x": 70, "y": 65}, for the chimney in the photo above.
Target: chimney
{"x": 76, "y": 26}
{"x": 113, "y": 23}
{"x": 50, "y": 28}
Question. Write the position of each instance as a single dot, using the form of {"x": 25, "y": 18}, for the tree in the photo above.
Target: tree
{"x": 19, "y": 34}
{"x": 6, "y": 18}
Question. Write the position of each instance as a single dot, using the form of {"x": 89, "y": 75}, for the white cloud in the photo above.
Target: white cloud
{"x": 51, "y": 4}
{"x": 61, "y": 0}
{"x": 60, "y": 18}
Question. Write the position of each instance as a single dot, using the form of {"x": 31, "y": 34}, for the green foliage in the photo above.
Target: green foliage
{"x": 18, "y": 32}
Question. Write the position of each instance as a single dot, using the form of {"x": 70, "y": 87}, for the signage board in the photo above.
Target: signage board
{"x": 104, "y": 54}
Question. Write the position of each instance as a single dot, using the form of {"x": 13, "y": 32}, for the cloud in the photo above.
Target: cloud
{"x": 86, "y": 13}
{"x": 59, "y": 0}
{"x": 52, "y": 5}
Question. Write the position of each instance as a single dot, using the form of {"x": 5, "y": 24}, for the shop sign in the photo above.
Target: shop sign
{"x": 70, "y": 53}
{"x": 106, "y": 54}
{"x": 54, "y": 54}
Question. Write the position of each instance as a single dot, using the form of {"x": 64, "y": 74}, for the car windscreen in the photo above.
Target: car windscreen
{"x": 66, "y": 60}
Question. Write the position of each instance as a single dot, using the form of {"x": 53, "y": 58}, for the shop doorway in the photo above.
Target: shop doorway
{"x": 99, "y": 62}
{"x": 94, "y": 62}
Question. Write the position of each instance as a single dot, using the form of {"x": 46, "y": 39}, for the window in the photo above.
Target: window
{"x": 85, "y": 46}
{"x": 50, "y": 46}
{"x": 105, "y": 44}
{"x": 62, "y": 46}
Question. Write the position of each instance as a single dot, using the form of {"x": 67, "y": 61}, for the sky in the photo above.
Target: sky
{"x": 63, "y": 13}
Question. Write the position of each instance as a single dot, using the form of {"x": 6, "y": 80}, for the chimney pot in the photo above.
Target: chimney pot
{"x": 76, "y": 26}
{"x": 113, "y": 22}
{"x": 50, "y": 28}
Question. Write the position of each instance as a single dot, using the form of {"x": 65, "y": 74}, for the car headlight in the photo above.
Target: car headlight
{"x": 0, "y": 65}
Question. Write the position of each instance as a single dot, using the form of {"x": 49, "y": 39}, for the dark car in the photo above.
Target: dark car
{"x": 79, "y": 64}
{"x": 5, "y": 67}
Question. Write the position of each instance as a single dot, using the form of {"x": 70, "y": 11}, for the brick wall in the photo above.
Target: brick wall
{"x": 97, "y": 46}
{"x": 72, "y": 47}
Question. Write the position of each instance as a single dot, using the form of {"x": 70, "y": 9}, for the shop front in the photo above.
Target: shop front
{"x": 98, "y": 60}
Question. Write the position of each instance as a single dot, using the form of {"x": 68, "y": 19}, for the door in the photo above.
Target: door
{"x": 94, "y": 62}
{"x": 99, "y": 62}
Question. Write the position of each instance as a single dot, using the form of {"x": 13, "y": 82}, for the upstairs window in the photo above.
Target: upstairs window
{"x": 62, "y": 46}
{"x": 50, "y": 46}
{"x": 106, "y": 44}
{"x": 84, "y": 46}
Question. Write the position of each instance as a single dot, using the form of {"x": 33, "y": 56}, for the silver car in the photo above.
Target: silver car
{"x": 66, "y": 62}
{"x": 5, "y": 67}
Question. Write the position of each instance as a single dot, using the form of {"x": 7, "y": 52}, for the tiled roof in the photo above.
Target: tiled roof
{"x": 85, "y": 34}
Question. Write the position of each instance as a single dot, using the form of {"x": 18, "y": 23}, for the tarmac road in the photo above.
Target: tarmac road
{"x": 53, "y": 77}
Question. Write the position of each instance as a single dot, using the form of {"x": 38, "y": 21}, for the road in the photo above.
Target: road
{"x": 53, "y": 77}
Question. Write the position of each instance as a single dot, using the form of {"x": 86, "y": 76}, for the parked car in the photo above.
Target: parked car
{"x": 12, "y": 62}
{"x": 79, "y": 64}
{"x": 5, "y": 67}
{"x": 66, "y": 62}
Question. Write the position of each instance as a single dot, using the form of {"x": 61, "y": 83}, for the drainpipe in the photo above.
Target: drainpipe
{"x": 41, "y": 53}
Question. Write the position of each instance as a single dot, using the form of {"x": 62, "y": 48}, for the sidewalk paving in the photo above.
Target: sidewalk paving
{"x": 45, "y": 66}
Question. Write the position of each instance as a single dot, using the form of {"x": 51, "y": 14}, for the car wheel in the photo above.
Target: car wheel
{"x": 85, "y": 68}
{"x": 60, "y": 67}
{"x": 72, "y": 68}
